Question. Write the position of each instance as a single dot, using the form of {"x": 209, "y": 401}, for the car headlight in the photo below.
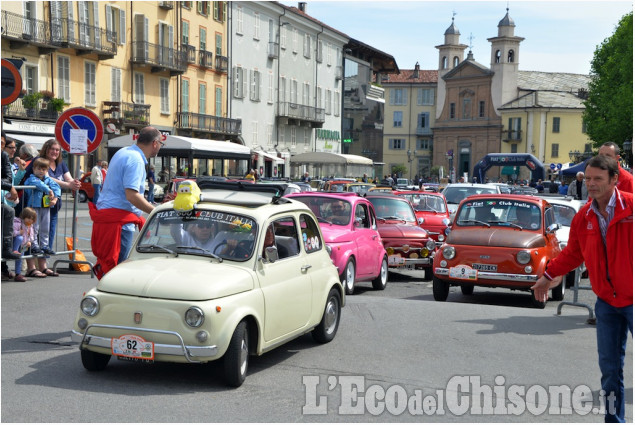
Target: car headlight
{"x": 194, "y": 317}
{"x": 449, "y": 252}
{"x": 441, "y": 237}
{"x": 430, "y": 245}
{"x": 90, "y": 306}
{"x": 390, "y": 250}
{"x": 523, "y": 257}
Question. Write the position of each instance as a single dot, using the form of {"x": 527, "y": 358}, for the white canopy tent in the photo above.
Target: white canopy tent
{"x": 333, "y": 164}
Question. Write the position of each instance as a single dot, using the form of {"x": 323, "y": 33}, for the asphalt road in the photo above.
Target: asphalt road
{"x": 393, "y": 348}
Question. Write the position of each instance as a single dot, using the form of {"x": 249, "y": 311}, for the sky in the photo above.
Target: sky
{"x": 560, "y": 36}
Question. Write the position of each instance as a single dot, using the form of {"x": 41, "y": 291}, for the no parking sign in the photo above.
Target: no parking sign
{"x": 79, "y": 131}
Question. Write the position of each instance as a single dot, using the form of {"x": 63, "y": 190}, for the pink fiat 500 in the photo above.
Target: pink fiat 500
{"x": 349, "y": 227}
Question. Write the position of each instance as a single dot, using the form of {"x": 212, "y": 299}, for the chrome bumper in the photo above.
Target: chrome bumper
{"x": 189, "y": 351}
{"x": 529, "y": 278}
{"x": 413, "y": 262}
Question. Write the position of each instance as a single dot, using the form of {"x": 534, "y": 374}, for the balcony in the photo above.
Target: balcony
{"x": 41, "y": 112}
{"x": 512, "y": 135}
{"x": 209, "y": 123}
{"x": 21, "y": 32}
{"x": 221, "y": 63}
{"x": 166, "y": 5}
{"x": 273, "y": 50}
{"x": 126, "y": 114}
{"x": 190, "y": 53}
{"x": 309, "y": 114}
{"x": 160, "y": 58}
{"x": 205, "y": 58}
{"x": 423, "y": 131}
{"x": 84, "y": 38}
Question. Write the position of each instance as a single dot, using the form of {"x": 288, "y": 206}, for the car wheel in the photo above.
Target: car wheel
{"x": 440, "y": 289}
{"x": 427, "y": 273}
{"x": 94, "y": 361}
{"x": 348, "y": 277}
{"x": 82, "y": 196}
{"x": 236, "y": 357}
{"x": 467, "y": 289}
{"x": 536, "y": 303}
{"x": 380, "y": 281}
{"x": 326, "y": 330}
{"x": 557, "y": 293}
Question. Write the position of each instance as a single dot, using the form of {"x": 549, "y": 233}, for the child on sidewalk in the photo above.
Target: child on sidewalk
{"x": 23, "y": 238}
{"x": 41, "y": 199}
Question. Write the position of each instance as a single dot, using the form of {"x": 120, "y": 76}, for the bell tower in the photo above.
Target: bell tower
{"x": 450, "y": 55}
{"x": 504, "y": 62}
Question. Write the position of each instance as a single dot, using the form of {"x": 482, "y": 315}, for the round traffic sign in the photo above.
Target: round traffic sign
{"x": 552, "y": 166}
{"x": 11, "y": 82}
{"x": 79, "y": 119}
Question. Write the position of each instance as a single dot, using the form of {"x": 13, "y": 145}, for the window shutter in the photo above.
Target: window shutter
{"x": 81, "y": 7}
{"x": 96, "y": 24}
{"x": 122, "y": 26}
{"x": 108, "y": 22}
{"x": 185, "y": 96}
{"x": 69, "y": 15}
{"x": 244, "y": 80}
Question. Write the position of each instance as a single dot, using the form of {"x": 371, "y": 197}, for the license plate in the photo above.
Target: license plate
{"x": 463, "y": 272}
{"x": 396, "y": 260}
{"x": 132, "y": 346}
{"x": 485, "y": 267}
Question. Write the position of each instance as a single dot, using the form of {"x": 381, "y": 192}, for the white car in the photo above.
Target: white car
{"x": 565, "y": 208}
{"x": 456, "y": 192}
{"x": 241, "y": 273}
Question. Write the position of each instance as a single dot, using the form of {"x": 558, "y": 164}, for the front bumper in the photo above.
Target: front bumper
{"x": 511, "y": 277}
{"x": 191, "y": 353}
{"x": 410, "y": 262}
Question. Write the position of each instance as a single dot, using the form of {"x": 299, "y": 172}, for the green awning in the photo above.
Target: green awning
{"x": 509, "y": 170}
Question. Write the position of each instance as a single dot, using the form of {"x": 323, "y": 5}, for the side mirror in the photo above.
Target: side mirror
{"x": 271, "y": 254}
{"x": 553, "y": 227}
{"x": 420, "y": 220}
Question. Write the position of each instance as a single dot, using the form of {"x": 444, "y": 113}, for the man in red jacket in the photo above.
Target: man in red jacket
{"x": 625, "y": 179}
{"x": 602, "y": 236}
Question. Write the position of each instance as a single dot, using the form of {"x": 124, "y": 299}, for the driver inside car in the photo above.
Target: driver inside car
{"x": 339, "y": 212}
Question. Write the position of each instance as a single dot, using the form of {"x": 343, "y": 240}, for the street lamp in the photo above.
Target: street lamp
{"x": 411, "y": 157}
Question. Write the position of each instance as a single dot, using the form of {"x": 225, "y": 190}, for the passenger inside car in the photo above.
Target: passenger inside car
{"x": 525, "y": 219}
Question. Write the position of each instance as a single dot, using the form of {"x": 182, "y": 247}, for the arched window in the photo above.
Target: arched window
{"x": 455, "y": 62}
{"x": 510, "y": 56}
{"x": 444, "y": 62}
{"x": 497, "y": 57}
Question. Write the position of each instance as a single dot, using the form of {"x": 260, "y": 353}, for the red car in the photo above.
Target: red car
{"x": 408, "y": 246}
{"x": 86, "y": 190}
{"x": 432, "y": 209}
{"x": 498, "y": 240}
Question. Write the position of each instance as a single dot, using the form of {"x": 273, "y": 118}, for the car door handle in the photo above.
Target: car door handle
{"x": 305, "y": 268}
{"x": 374, "y": 237}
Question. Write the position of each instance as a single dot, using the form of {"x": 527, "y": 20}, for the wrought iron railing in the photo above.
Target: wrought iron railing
{"x": 159, "y": 56}
{"x": 512, "y": 135}
{"x": 209, "y": 123}
{"x": 18, "y": 27}
{"x": 81, "y": 36}
{"x": 222, "y": 63}
{"x": 190, "y": 53}
{"x": 205, "y": 58}
{"x": 132, "y": 114}
{"x": 301, "y": 112}
{"x": 423, "y": 131}
{"x": 41, "y": 112}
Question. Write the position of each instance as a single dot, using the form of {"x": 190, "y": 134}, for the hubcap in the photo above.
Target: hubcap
{"x": 350, "y": 275}
{"x": 330, "y": 315}
{"x": 243, "y": 356}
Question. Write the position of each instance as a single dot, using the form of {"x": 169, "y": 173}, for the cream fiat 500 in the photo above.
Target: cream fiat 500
{"x": 238, "y": 274}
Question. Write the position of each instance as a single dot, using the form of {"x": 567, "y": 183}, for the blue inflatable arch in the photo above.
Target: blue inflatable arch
{"x": 509, "y": 159}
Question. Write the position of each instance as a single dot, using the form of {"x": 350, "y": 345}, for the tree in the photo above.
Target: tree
{"x": 609, "y": 106}
{"x": 399, "y": 170}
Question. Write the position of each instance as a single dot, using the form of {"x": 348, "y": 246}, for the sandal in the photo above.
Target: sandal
{"x": 50, "y": 272}
{"x": 35, "y": 273}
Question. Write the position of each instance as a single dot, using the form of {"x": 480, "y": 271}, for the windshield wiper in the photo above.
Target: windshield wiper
{"x": 159, "y": 247}
{"x": 392, "y": 217}
{"x": 475, "y": 221}
{"x": 323, "y": 220}
{"x": 210, "y": 253}
{"x": 516, "y": 225}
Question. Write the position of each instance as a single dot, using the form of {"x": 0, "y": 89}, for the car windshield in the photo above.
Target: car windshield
{"x": 422, "y": 202}
{"x": 500, "y": 212}
{"x": 328, "y": 210}
{"x": 359, "y": 188}
{"x": 393, "y": 209}
{"x": 208, "y": 233}
{"x": 454, "y": 195}
{"x": 563, "y": 214}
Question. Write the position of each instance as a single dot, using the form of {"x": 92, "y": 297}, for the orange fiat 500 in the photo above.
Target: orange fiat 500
{"x": 497, "y": 241}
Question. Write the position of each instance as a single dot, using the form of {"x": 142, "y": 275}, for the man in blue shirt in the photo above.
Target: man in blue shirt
{"x": 125, "y": 186}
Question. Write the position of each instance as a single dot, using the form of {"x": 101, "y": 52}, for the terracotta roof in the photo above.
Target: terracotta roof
{"x": 406, "y": 76}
